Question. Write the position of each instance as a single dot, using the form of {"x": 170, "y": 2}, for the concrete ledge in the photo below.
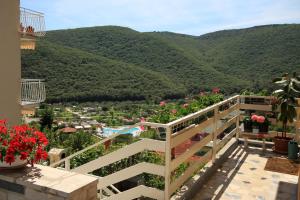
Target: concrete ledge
{"x": 191, "y": 187}
{"x": 42, "y": 182}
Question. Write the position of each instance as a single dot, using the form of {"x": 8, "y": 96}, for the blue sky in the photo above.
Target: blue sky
{"x": 194, "y": 17}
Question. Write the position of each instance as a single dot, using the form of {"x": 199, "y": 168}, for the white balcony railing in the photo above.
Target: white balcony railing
{"x": 32, "y": 23}
{"x": 33, "y": 91}
{"x": 220, "y": 123}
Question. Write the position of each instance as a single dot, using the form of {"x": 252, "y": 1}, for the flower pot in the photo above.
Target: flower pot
{"x": 248, "y": 126}
{"x": 281, "y": 144}
{"x": 255, "y": 130}
{"x": 15, "y": 165}
{"x": 263, "y": 128}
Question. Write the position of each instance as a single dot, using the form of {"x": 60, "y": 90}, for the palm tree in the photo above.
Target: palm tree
{"x": 286, "y": 99}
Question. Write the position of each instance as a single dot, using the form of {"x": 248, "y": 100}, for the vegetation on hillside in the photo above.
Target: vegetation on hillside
{"x": 116, "y": 63}
{"x": 165, "y": 112}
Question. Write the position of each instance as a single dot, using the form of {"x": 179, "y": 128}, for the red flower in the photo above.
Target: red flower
{"x": 24, "y": 155}
{"x": 162, "y": 103}
{"x": 216, "y": 90}
{"x": 254, "y": 118}
{"x": 9, "y": 158}
{"x": 40, "y": 154}
{"x": 44, "y": 155}
{"x": 143, "y": 119}
{"x": 10, "y": 150}
{"x": 257, "y": 118}
{"x": 3, "y": 122}
{"x": 22, "y": 141}
{"x": 261, "y": 119}
{"x": 4, "y": 143}
{"x": 41, "y": 137}
{"x": 3, "y": 130}
{"x": 30, "y": 140}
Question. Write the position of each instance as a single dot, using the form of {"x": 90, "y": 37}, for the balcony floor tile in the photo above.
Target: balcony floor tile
{"x": 243, "y": 176}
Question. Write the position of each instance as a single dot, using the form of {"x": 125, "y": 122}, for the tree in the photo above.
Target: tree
{"x": 79, "y": 141}
{"x": 87, "y": 156}
{"x": 286, "y": 99}
{"x": 47, "y": 117}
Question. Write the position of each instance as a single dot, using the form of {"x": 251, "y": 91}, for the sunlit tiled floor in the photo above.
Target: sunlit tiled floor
{"x": 243, "y": 177}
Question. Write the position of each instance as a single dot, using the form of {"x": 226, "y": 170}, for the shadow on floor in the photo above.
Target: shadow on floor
{"x": 286, "y": 191}
{"x": 236, "y": 160}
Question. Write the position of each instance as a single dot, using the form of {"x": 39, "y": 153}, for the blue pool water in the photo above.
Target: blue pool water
{"x": 109, "y": 131}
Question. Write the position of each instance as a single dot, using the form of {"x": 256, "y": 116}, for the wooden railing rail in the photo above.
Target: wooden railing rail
{"x": 227, "y": 110}
{"x": 125, "y": 152}
{"x": 67, "y": 159}
{"x": 201, "y": 112}
{"x": 139, "y": 191}
{"x": 131, "y": 172}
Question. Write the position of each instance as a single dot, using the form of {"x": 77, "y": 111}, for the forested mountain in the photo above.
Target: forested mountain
{"x": 116, "y": 63}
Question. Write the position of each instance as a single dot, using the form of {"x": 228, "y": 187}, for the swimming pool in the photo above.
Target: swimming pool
{"x": 110, "y": 131}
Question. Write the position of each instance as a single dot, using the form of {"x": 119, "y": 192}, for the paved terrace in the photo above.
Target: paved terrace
{"x": 243, "y": 176}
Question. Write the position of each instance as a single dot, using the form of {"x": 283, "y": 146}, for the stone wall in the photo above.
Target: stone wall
{"x": 45, "y": 183}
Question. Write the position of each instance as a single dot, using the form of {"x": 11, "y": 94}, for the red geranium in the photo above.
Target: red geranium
{"x": 162, "y": 103}
{"x": 216, "y": 90}
{"x": 22, "y": 141}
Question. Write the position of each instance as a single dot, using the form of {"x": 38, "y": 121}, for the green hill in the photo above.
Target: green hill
{"x": 116, "y": 63}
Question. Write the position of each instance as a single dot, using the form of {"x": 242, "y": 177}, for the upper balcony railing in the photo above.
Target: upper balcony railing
{"x": 33, "y": 91}
{"x": 32, "y": 23}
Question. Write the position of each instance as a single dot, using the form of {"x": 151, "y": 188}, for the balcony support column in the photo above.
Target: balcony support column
{"x": 10, "y": 62}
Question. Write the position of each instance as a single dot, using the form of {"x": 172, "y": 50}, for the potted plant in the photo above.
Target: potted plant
{"x": 247, "y": 124}
{"x": 286, "y": 102}
{"x": 255, "y": 123}
{"x": 20, "y": 145}
{"x": 260, "y": 124}
{"x": 264, "y": 125}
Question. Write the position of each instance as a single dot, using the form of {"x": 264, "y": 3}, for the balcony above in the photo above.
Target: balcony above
{"x": 32, "y": 25}
{"x": 33, "y": 91}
